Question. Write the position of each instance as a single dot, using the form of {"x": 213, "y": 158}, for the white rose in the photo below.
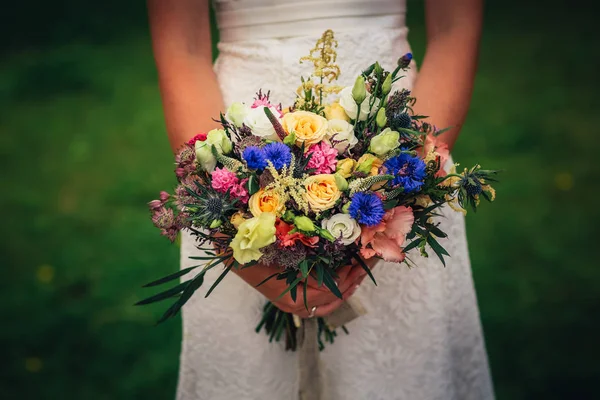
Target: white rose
{"x": 343, "y": 227}
{"x": 349, "y": 105}
{"x": 236, "y": 113}
{"x": 342, "y": 133}
{"x": 259, "y": 123}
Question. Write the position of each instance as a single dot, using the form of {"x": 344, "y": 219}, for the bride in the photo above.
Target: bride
{"x": 421, "y": 338}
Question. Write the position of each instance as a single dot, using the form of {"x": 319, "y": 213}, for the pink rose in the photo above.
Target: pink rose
{"x": 323, "y": 159}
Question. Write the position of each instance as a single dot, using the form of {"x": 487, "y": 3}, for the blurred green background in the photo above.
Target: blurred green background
{"x": 83, "y": 148}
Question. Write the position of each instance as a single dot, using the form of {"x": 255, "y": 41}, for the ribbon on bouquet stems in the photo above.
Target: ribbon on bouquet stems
{"x": 312, "y": 385}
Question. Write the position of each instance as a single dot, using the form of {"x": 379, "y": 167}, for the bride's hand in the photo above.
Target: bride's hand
{"x": 324, "y": 301}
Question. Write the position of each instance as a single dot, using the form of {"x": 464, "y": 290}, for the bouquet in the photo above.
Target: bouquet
{"x": 315, "y": 186}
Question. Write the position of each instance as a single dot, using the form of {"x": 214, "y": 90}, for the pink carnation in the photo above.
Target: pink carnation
{"x": 323, "y": 159}
{"x": 240, "y": 192}
{"x": 224, "y": 180}
{"x": 386, "y": 239}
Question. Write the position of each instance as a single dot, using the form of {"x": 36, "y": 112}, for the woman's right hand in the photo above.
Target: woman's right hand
{"x": 349, "y": 278}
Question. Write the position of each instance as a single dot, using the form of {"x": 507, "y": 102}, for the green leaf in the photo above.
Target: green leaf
{"x": 438, "y": 249}
{"x": 219, "y": 279}
{"x": 437, "y": 231}
{"x": 320, "y": 271}
{"x": 294, "y": 283}
{"x": 169, "y": 278}
{"x": 330, "y": 283}
{"x": 253, "y": 185}
{"x": 164, "y": 295}
{"x": 194, "y": 284}
{"x": 267, "y": 279}
{"x": 305, "y": 300}
{"x": 412, "y": 245}
{"x": 304, "y": 268}
{"x": 364, "y": 266}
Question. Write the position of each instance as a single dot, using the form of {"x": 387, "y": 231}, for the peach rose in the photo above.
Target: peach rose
{"x": 265, "y": 201}
{"x": 321, "y": 192}
{"x": 308, "y": 127}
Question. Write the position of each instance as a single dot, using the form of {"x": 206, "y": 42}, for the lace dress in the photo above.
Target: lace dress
{"x": 421, "y": 338}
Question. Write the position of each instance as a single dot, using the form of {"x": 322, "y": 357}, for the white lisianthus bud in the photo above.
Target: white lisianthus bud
{"x": 204, "y": 156}
{"x": 386, "y": 87}
{"x": 349, "y": 105}
{"x": 385, "y": 142}
{"x": 343, "y": 227}
{"x": 359, "y": 92}
{"x": 236, "y": 113}
{"x": 259, "y": 123}
{"x": 342, "y": 134}
{"x": 381, "y": 119}
{"x": 220, "y": 140}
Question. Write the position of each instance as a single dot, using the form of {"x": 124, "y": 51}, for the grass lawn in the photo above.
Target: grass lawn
{"x": 83, "y": 148}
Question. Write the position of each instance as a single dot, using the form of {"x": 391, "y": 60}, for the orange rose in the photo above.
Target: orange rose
{"x": 265, "y": 201}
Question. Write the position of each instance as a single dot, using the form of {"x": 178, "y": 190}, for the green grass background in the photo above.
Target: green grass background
{"x": 83, "y": 148}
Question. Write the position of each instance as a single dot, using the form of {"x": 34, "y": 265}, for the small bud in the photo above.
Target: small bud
{"x": 404, "y": 61}
{"x": 290, "y": 139}
{"x": 325, "y": 234}
{"x": 378, "y": 70}
{"x": 341, "y": 182}
{"x": 216, "y": 223}
{"x": 304, "y": 224}
{"x": 164, "y": 196}
{"x": 359, "y": 92}
{"x": 386, "y": 87}
{"x": 288, "y": 217}
{"x": 381, "y": 119}
{"x": 346, "y": 207}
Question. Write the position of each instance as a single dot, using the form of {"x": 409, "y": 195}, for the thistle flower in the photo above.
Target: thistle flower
{"x": 409, "y": 172}
{"x": 400, "y": 120}
{"x": 367, "y": 209}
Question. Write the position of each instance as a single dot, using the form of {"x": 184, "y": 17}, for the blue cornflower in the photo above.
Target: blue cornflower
{"x": 366, "y": 208}
{"x": 278, "y": 153}
{"x": 255, "y": 158}
{"x": 408, "y": 171}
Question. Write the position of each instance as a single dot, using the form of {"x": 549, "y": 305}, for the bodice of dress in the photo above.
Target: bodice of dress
{"x": 247, "y": 20}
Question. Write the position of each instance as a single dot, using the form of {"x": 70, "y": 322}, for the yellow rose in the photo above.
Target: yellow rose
{"x": 309, "y": 128}
{"x": 345, "y": 167}
{"x": 321, "y": 192}
{"x": 265, "y": 201}
{"x": 237, "y": 219}
{"x": 253, "y": 235}
{"x": 369, "y": 164}
{"x": 335, "y": 111}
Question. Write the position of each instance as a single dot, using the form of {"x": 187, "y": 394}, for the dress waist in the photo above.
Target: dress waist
{"x": 247, "y": 20}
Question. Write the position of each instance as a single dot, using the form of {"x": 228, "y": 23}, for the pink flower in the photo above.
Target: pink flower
{"x": 201, "y": 137}
{"x": 240, "y": 192}
{"x": 262, "y": 100}
{"x": 386, "y": 239}
{"x": 433, "y": 143}
{"x": 323, "y": 159}
{"x": 223, "y": 180}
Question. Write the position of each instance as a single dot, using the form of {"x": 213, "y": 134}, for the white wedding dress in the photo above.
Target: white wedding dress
{"x": 421, "y": 338}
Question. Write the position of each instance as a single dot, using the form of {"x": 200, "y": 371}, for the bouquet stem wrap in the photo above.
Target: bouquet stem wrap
{"x": 312, "y": 385}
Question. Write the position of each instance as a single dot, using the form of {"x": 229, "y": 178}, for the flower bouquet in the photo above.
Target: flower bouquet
{"x": 314, "y": 187}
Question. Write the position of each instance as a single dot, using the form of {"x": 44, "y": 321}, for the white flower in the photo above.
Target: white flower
{"x": 342, "y": 133}
{"x": 343, "y": 227}
{"x": 217, "y": 138}
{"x": 236, "y": 113}
{"x": 259, "y": 123}
{"x": 385, "y": 142}
{"x": 349, "y": 105}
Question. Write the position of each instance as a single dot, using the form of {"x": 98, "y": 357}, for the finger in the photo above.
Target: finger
{"x": 326, "y": 309}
